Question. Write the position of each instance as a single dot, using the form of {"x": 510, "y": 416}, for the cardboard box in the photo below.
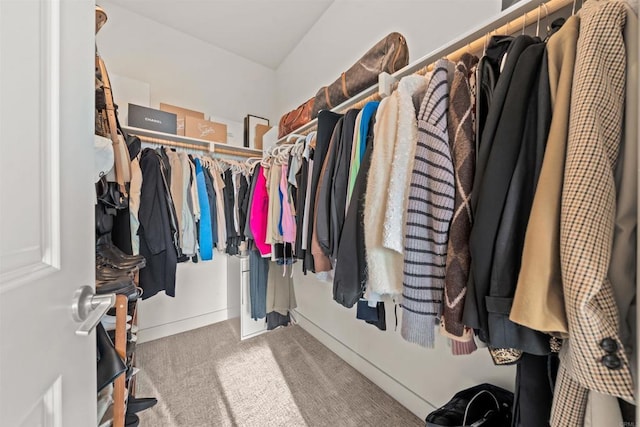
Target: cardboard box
{"x": 260, "y": 131}
{"x": 152, "y": 119}
{"x": 181, "y": 113}
{"x": 205, "y": 129}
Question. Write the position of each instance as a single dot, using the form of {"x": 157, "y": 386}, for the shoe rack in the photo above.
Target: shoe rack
{"x": 122, "y": 389}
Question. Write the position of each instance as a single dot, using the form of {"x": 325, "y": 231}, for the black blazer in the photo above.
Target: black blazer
{"x": 326, "y": 122}
{"x": 323, "y": 205}
{"x": 340, "y": 180}
{"x": 351, "y": 266}
{"x": 514, "y": 153}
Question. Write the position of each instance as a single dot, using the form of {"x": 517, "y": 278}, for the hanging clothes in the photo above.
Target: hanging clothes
{"x": 387, "y": 186}
{"x": 463, "y": 154}
{"x": 156, "y": 243}
{"x": 593, "y": 358}
{"x": 429, "y": 212}
{"x": 326, "y": 122}
{"x": 258, "y": 216}
{"x": 351, "y": 264}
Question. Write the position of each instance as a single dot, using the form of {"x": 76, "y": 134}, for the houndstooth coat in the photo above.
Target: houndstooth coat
{"x": 593, "y": 357}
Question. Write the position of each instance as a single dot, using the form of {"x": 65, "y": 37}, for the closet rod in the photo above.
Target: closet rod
{"x": 214, "y": 148}
{"x": 510, "y": 21}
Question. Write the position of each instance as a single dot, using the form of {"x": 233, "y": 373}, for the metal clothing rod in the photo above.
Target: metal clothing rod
{"x": 510, "y": 21}
{"x": 216, "y": 149}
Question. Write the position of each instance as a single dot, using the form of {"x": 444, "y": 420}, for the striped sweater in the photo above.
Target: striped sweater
{"x": 429, "y": 212}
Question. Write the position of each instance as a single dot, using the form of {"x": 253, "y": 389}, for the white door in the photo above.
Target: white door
{"x": 47, "y": 372}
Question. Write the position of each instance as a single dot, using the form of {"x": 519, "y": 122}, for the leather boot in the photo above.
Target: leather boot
{"x": 105, "y": 245}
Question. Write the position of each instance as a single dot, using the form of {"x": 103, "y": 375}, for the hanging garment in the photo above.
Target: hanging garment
{"x": 250, "y": 194}
{"x": 230, "y": 212}
{"x": 218, "y": 186}
{"x": 321, "y": 241}
{"x": 188, "y": 217}
{"x": 326, "y": 122}
{"x": 383, "y": 275}
{"x": 534, "y": 391}
{"x": 213, "y": 205}
{"x": 491, "y": 73}
{"x": 134, "y": 204}
{"x": 281, "y": 297}
{"x": 301, "y": 179}
{"x": 488, "y": 74}
{"x": 258, "y": 276}
{"x": 258, "y": 216}
{"x": 165, "y": 166}
{"x": 351, "y": 264}
{"x": 463, "y": 154}
{"x": 275, "y": 205}
{"x": 243, "y": 204}
{"x": 288, "y": 217}
{"x": 484, "y": 231}
{"x": 623, "y": 268}
{"x": 340, "y": 181}
{"x": 593, "y": 358}
{"x": 156, "y": 244}
{"x": 538, "y": 302}
{"x": 401, "y": 166}
{"x": 177, "y": 188}
{"x": 355, "y": 148}
{"x": 506, "y": 196}
{"x": 429, "y": 212}
{"x": 206, "y": 239}
{"x": 368, "y": 113}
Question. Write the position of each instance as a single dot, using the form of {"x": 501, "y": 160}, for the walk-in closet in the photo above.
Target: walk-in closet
{"x": 318, "y": 213}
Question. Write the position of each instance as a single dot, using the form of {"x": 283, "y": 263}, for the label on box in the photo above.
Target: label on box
{"x": 205, "y": 129}
{"x": 152, "y": 119}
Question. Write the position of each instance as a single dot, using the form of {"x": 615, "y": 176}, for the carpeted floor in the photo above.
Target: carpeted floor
{"x": 208, "y": 377}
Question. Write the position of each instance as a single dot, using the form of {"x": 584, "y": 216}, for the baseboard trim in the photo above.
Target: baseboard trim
{"x": 407, "y": 397}
{"x": 184, "y": 325}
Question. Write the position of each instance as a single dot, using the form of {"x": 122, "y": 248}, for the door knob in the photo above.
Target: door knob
{"x": 89, "y": 308}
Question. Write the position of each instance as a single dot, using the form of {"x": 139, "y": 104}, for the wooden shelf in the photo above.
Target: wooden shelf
{"x": 191, "y": 143}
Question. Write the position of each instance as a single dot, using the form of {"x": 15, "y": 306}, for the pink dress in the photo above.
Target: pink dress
{"x": 288, "y": 218}
{"x": 258, "y": 214}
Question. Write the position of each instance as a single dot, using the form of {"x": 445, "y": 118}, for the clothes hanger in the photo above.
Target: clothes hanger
{"x": 293, "y": 135}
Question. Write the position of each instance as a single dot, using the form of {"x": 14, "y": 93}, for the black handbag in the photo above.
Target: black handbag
{"x": 484, "y": 405}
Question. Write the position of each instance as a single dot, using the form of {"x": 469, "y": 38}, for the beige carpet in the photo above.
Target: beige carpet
{"x": 208, "y": 377}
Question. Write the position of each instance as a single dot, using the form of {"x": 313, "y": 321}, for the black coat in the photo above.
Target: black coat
{"x": 340, "y": 180}
{"x": 326, "y": 122}
{"x": 505, "y": 196}
{"x": 351, "y": 265}
{"x": 156, "y": 244}
{"x": 325, "y": 194}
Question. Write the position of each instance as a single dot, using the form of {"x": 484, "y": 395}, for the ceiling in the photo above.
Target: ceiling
{"x": 263, "y": 31}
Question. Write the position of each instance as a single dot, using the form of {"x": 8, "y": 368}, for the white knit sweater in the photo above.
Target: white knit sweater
{"x": 383, "y": 275}
{"x": 402, "y": 165}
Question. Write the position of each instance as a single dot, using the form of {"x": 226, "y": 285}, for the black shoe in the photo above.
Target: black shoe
{"x": 104, "y": 259}
{"x": 105, "y": 246}
{"x": 106, "y": 272}
{"x": 110, "y": 365}
{"x": 118, "y": 287}
{"x": 131, "y": 420}
{"x": 138, "y": 404}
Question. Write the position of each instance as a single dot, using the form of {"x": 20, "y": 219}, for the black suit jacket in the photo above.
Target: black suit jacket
{"x": 514, "y": 151}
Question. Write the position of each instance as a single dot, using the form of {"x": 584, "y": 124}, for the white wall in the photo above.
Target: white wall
{"x": 350, "y": 27}
{"x": 185, "y": 71}
{"x": 419, "y": 378}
